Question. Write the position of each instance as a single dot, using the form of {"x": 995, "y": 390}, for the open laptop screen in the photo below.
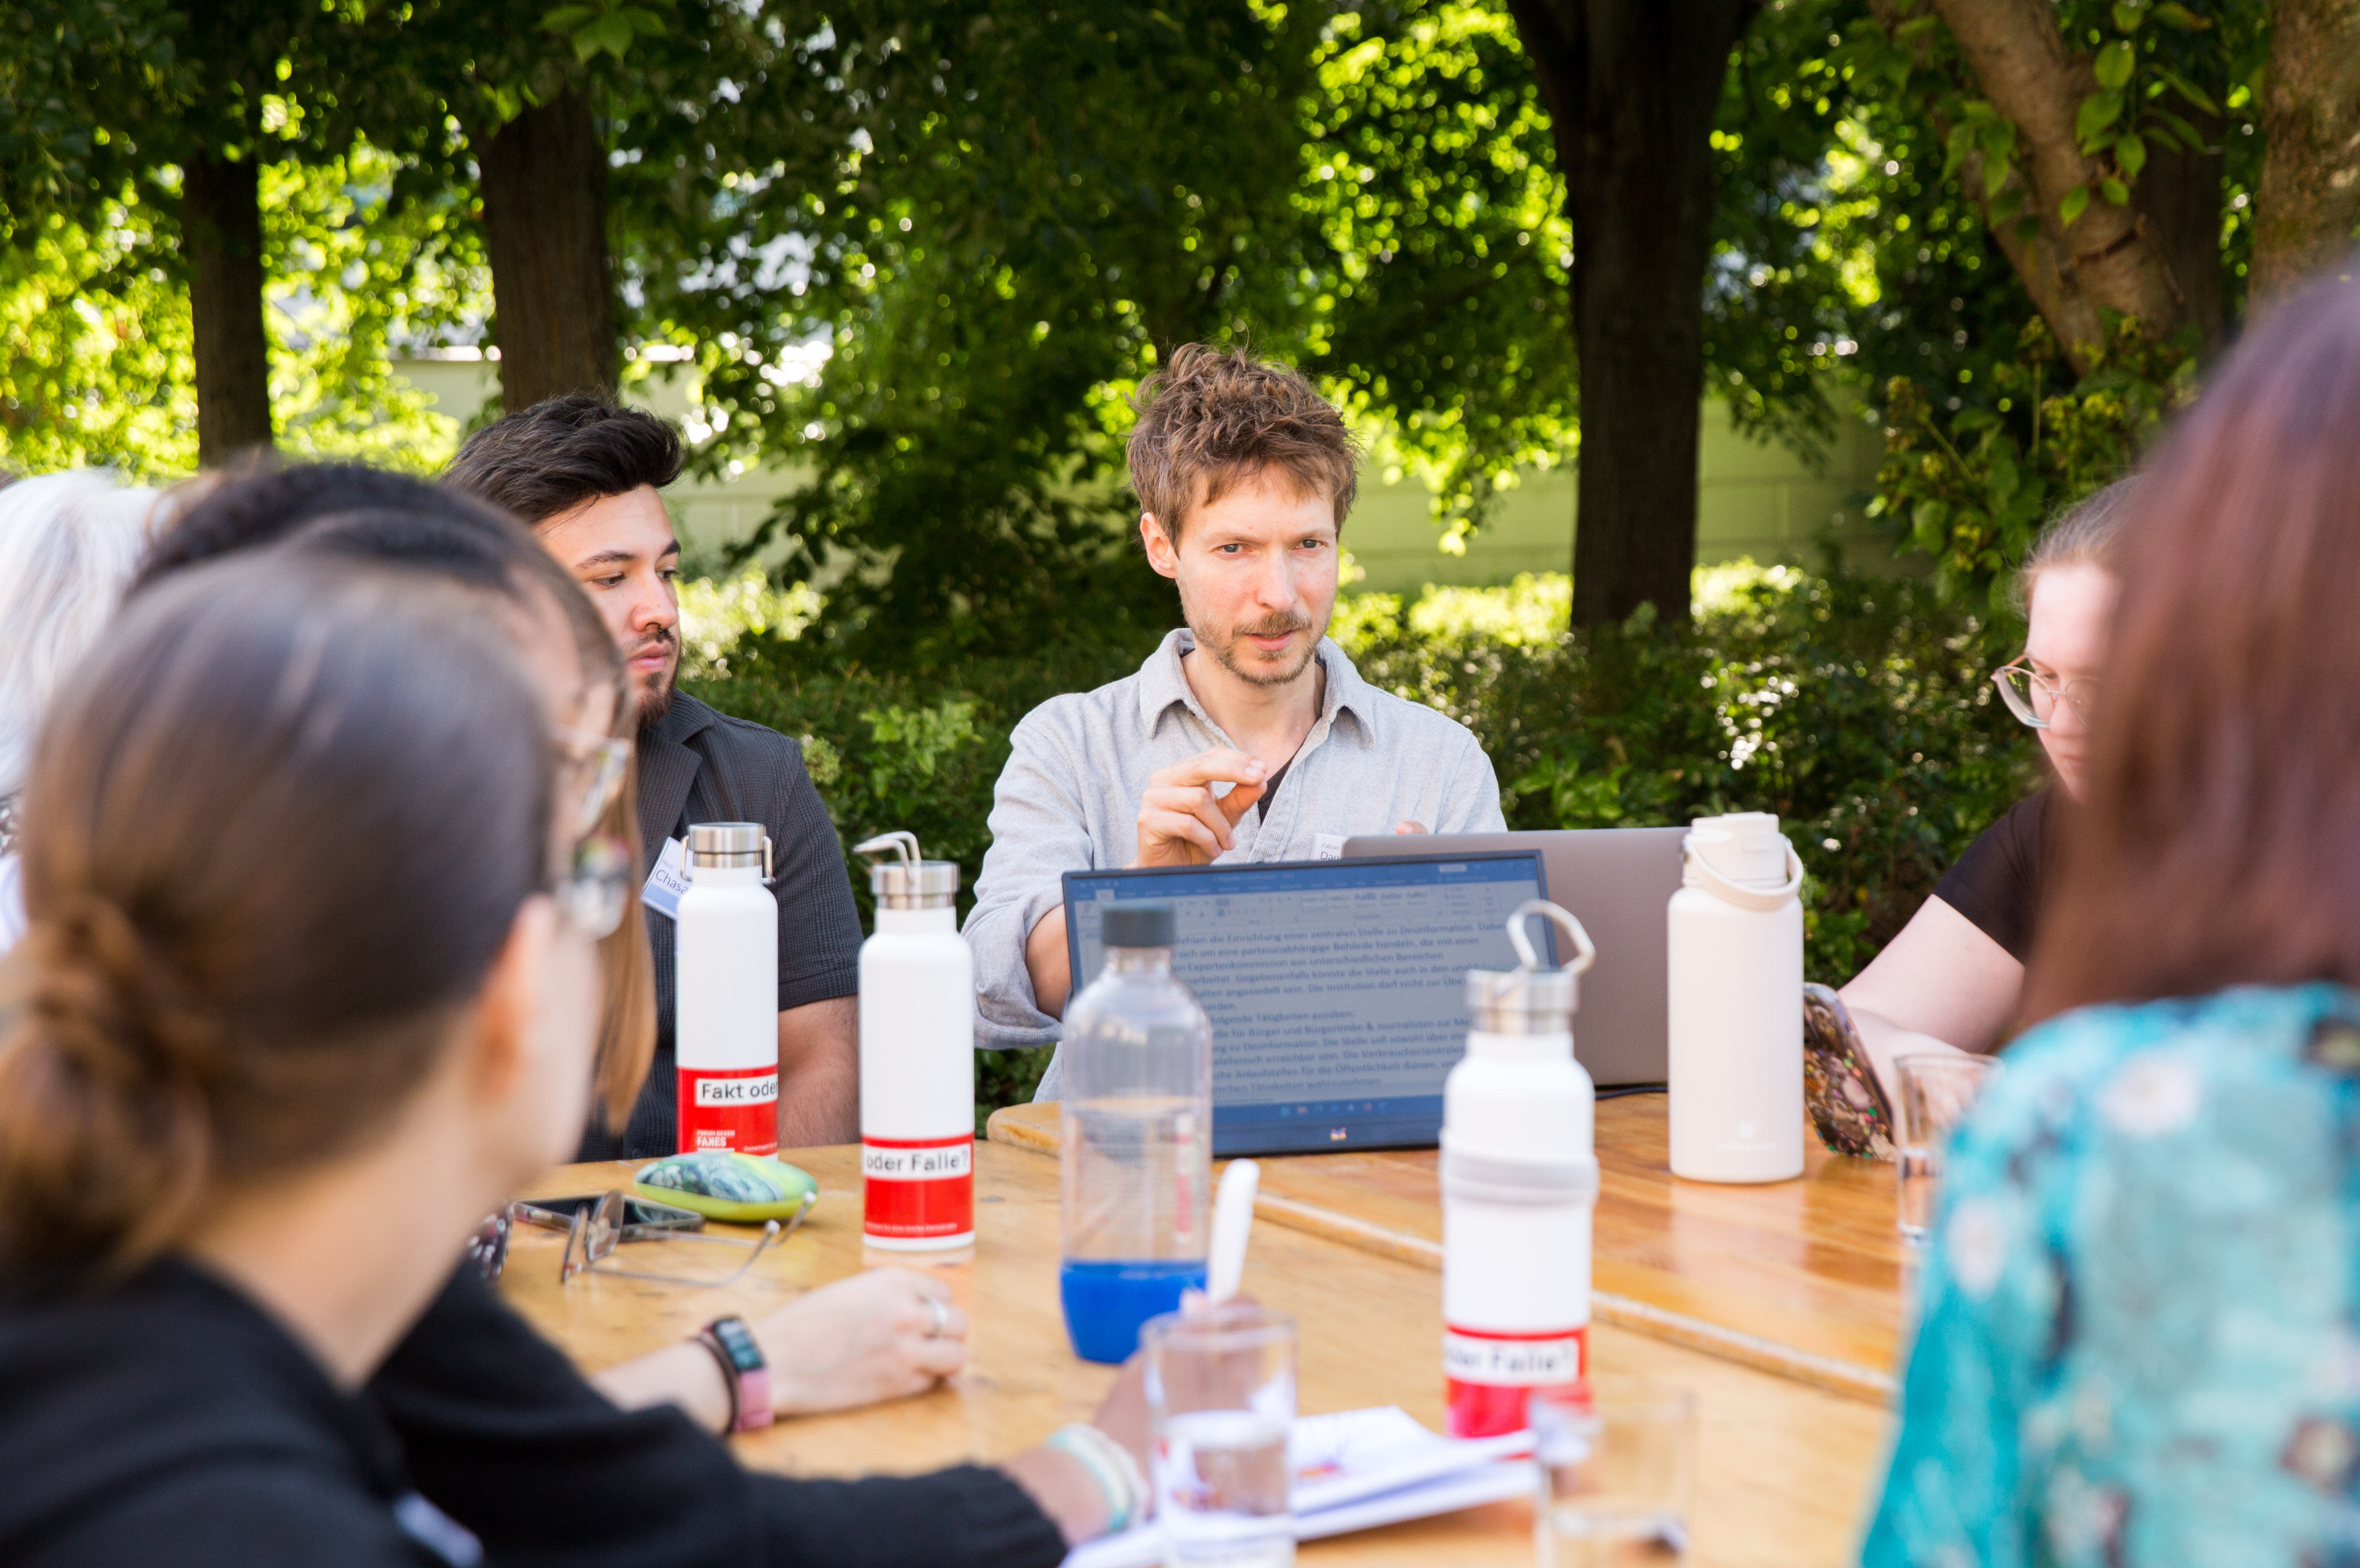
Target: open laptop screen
{"x": 1337, "y": 988}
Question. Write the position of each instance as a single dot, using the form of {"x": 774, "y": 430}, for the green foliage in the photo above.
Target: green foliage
{"x": 95, "y": 353}
{"x": 941, "y": 319}
{"x": 1973, "y": 488}
{"x": 1989, "y": 432}
{"x": 1856, "y": 710}
{"x": 607, "y": 27}
{"x": 1442, "y": 248}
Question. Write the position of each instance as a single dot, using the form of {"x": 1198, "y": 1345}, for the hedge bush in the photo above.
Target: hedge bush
{"x": 1857, "y": 709}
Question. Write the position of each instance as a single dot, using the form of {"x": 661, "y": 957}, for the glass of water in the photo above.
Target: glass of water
{"x": 1617, "y": 1473}
{"x": 1937, "y": 1091}
{"x": 1220, "y": 1396}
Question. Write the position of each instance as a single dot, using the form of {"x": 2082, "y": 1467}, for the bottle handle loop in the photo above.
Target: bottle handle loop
{"x": 1744, "y": 897}
{"x": 1585, "y": 954}
{"x": 901, "y": 839}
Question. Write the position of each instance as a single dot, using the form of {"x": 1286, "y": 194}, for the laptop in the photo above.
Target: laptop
{"x": 1618, "y": 883}
{"x": 1337, "y": 988}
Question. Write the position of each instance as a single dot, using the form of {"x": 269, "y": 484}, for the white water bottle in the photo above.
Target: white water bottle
{"x": 1519, "y": 1183}
{"x": 1735, "y": 965}
{"x": 725, "y": 985}
{"x": 917, "y": 1056}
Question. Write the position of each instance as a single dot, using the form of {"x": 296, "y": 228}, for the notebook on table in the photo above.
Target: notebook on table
{"x": 1337, "y": 988}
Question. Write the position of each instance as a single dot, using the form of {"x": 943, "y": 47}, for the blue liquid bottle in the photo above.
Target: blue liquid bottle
{"x": 1137, "y": 1058}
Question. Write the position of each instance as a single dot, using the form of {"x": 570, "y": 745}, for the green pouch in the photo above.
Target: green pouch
{"x": 744, "y": 1189}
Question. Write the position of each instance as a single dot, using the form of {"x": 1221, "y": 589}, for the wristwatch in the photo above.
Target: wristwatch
{"x": 742, "y": 1367}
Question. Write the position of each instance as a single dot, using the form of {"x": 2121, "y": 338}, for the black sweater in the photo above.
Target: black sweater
{"x": 506, "y": 1436}
{"x": 169, "y": 1420}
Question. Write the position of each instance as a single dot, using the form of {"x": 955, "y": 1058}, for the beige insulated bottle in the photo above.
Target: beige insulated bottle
{"x": 1735, "y": 963}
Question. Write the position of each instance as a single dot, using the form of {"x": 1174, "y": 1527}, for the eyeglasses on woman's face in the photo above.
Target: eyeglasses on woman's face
{"x": 591, "y": 767}
{"x": 596, "y": 892}
{"x": 2033, "y": 695}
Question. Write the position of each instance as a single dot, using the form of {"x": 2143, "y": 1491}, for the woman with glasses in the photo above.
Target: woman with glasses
{"x": 1953, "y": 977}
{"x": 2138, "y": 1326}
{"x": 311, "y": 985}
{"x": 484, "y": 1408}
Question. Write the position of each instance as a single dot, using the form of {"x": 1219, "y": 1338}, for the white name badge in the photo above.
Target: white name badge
{"x": 1327, "y": 847}
{"x": 668, "y": 881}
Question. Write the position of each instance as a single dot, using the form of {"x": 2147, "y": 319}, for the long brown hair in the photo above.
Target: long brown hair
{"x": 275, "y": 835}
{"x": 351, "y": 511}
{"x": 2219, "y": 844}
{"x": 450, "y": 534}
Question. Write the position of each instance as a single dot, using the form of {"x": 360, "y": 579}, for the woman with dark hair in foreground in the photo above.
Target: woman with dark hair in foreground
{"x": 2139, "y": 1336}
{"x": 311, "y": 985}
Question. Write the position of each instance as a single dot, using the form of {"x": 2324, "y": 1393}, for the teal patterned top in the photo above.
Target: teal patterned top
{"x": 2136, "y": 1344}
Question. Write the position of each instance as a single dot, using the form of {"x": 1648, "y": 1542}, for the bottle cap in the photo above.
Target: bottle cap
{"x": 1741, "y": 859}
{"x": 1529, "y": 999}
{"x": 739, "y": 846}
{"x": 909, "y": 882}
{"x": 1745, "y": 847}
{"x": 1137, "y": 925}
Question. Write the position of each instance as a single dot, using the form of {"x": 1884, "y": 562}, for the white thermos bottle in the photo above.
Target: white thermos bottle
{"x": 1519, "y": 1181}
{"x": 725, "y": 989}
{"x": 1735, "y": 965}
{"x": 917, "y": 1056}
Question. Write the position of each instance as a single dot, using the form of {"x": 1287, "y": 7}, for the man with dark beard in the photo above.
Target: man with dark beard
{"x": 1248, "y": 736}
{"x": 586, "y": 476}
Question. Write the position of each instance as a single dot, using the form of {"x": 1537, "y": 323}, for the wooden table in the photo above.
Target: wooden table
{"x": 1786, "y": 1468}
{"x": 1803, "y": 1278}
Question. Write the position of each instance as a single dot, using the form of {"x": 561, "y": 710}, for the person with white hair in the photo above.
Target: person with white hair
{"x": 69, "y": 545}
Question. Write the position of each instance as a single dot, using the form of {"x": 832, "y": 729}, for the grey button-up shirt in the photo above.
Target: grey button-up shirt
{"x": 1068, "y": 800}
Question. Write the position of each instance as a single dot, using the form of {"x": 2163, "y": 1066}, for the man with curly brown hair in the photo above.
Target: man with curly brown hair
{"x": 1247, "y": 736}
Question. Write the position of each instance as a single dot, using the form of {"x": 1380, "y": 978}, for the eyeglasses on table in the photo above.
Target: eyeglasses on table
{"x": 593, "y": 1235}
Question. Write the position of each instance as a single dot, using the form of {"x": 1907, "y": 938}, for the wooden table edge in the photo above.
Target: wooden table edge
{"x": 1825, "y": 1372}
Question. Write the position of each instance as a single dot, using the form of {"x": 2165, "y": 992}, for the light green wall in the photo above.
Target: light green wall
{"x": 1753, "y": 500}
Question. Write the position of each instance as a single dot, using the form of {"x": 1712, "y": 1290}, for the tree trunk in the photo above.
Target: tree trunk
{"x": 221, "y": 223}
{"x": 1632, "y": 88}
{"x": 2107, "y": 260}
{"x": 2180, "y": 192}
{"x": 544, "y": 184}
{"x": 2310, "y": 196}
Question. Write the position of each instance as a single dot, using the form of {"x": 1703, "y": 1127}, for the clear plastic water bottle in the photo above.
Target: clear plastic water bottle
{"x": 1137, "y": 1138}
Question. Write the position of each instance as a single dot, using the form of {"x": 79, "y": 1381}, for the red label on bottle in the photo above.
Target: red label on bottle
{"x": 1489, "y": 1375}
{"x": 914, "y": 1188}
{"x": 732, "y": 1108}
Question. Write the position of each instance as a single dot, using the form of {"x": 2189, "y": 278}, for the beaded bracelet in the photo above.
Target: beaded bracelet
{"x": 1111, "y": 1467}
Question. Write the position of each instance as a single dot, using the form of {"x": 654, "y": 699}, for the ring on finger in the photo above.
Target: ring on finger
{"x": 941, "y": 1316}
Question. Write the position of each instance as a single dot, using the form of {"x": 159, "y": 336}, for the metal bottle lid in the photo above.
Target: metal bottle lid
{"x": 1529, "y": 999}
{"x": 909, "y": 882}
{"x": 734, "y": 845}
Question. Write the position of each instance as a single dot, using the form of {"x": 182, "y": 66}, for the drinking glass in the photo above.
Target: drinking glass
{"x": 1221, "y": 1399}
{"x": 1617, "y": 1473}
{"x": 1937, "y": 1091}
